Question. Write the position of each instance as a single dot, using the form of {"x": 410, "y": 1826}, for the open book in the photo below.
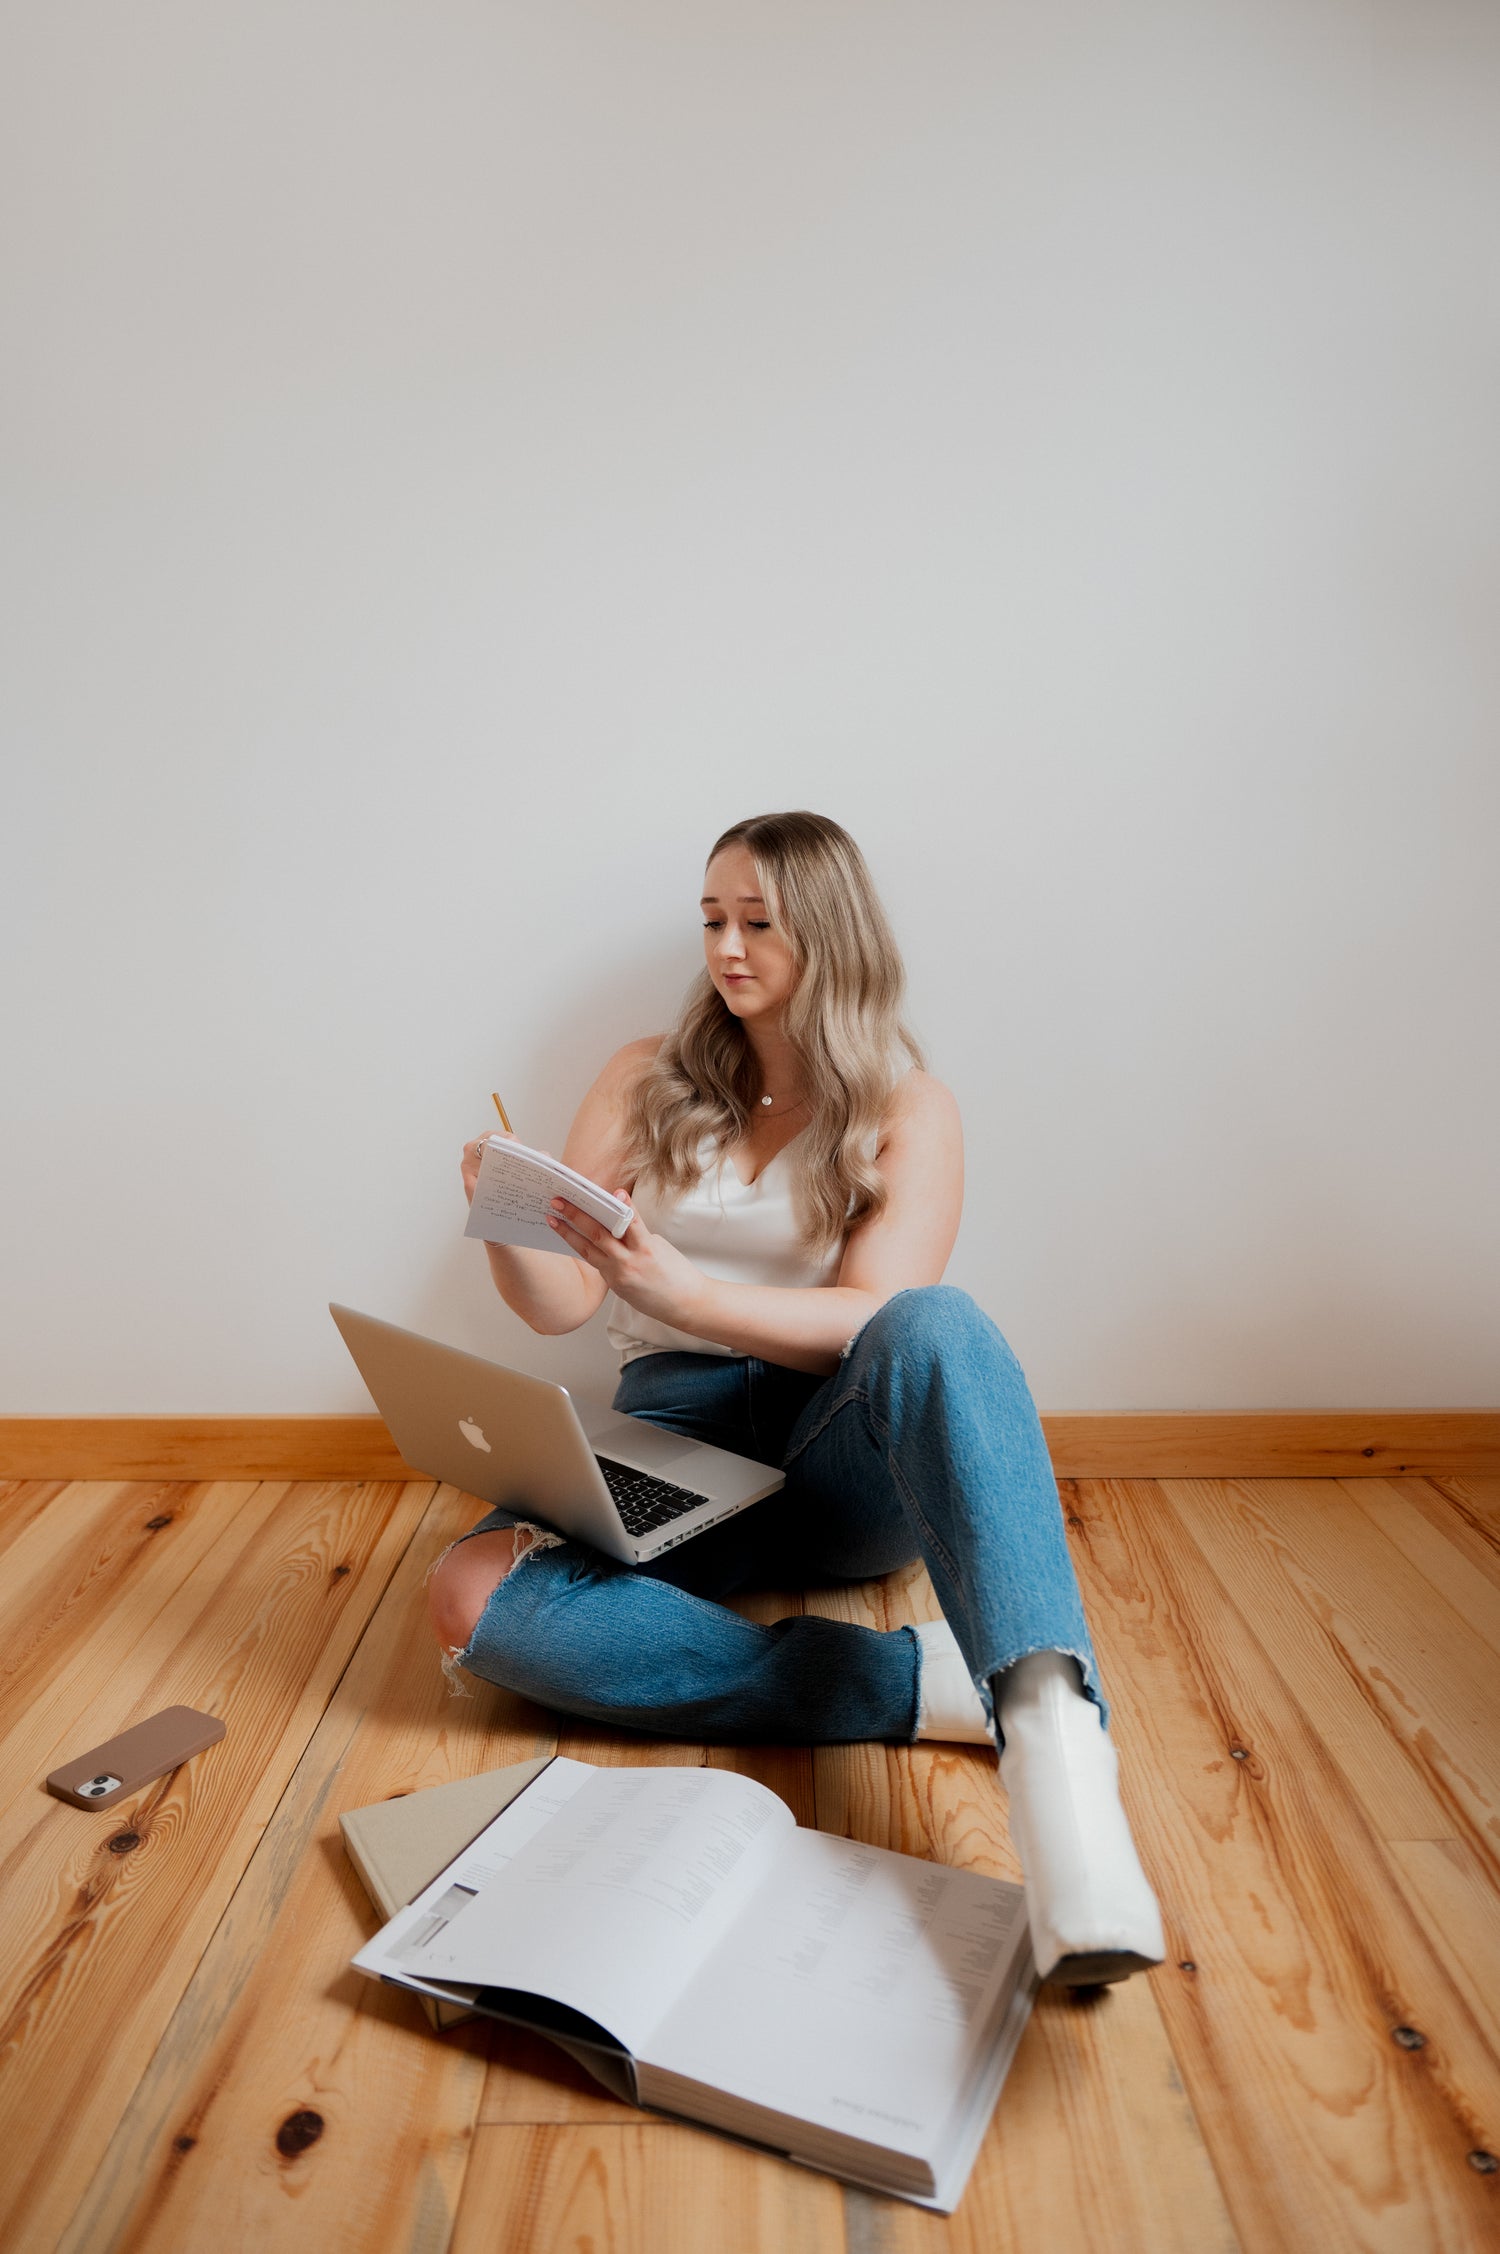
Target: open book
{"x": 515, "y": 1186}
{"x": 677, "y": 1931}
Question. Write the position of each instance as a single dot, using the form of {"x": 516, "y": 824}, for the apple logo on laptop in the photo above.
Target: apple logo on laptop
{"x": 473, "y": 1434}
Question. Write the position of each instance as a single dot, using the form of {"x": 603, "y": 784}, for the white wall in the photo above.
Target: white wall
{"x": 458, "y": 457}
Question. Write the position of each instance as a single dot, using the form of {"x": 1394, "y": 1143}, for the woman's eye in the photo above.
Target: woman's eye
{"x": 760, "y": 927}
{"x": 710, "y": 925}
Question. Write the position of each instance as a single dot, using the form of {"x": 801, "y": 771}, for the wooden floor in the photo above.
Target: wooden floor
{"x": 1306, "y": 1683}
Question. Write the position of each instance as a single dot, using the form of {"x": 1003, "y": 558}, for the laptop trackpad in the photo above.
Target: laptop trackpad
{"x": 645, "y": 1444}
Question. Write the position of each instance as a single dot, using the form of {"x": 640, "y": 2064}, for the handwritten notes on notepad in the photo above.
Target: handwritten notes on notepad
{"x": 516, "y": 1185}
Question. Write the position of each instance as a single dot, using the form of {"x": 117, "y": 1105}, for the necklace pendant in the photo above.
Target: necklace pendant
{"x": 765, "y": 1100}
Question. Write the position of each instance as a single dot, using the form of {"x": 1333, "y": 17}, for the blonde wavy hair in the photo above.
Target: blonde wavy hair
{"x": 843, "y": 1016}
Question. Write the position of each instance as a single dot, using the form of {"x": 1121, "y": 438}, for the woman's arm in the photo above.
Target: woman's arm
{"x": 921, "y": 1157}
{"x": 552, "y": 1295}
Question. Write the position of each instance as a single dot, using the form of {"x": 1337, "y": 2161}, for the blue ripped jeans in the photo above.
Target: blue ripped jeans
{"x": 924, "y": 1442}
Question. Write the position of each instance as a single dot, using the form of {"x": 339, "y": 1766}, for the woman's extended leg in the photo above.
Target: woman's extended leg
{"x": 930, "y": 1412}
{"x": 931, "y": 1398}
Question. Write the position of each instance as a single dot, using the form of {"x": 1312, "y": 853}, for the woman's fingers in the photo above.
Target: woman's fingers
{"x": 583, "y": 1236}
{"x": 474, "y": 1147}
{"x": 581, "y": 1247}
{"x": 576, "y": 1222}
{"x": 473, "y": 1159}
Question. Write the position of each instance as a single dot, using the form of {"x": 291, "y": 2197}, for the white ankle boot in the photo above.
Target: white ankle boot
{"x": 948, "y": 1704}
{"x": 1093, "y": 1915}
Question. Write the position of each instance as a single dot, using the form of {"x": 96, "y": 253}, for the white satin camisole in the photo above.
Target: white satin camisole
{"x": 742, "y": 1233}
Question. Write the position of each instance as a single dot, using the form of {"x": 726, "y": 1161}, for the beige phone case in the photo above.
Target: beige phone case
{"x": 105, "y": 1776}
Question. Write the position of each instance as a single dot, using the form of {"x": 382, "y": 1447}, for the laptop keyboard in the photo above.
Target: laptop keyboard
{"x": 645, "y": 1503}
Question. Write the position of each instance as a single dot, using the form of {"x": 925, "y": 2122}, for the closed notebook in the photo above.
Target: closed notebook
{"x": 399, "y": 1846}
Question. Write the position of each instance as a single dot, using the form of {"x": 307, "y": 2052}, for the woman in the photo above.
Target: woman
{"x": 797, "y": 1180}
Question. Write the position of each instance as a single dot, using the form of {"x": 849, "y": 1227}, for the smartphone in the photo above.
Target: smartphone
{"x": 107, "y": 1774}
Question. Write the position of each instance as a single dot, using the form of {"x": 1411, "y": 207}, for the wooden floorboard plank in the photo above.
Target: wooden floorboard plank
{"x": 22, "y": 1502}
{"x": 1454, "y": 1899}
{"x": 276, "y": 2028}
{"x": 52, "y": 1553}
{"x": 1470, "y": 1531}
{"x": 1291, "y": 1955}
{"x": 1394, "y": 1792}
{"x": 1424, "y": 1529}
{"x": 105, "y": 1915}
{"x": 84, "y": 1594}
{"x": 1478, "y": 1499}
{"x": 640, "y": 2187}
{"x": 1093, "y": 2145}
{"x": 1325, "y": 1574}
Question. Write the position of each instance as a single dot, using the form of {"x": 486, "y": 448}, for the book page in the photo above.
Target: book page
{"x": 516, "y": 1186}
{"x": 613, "y": 1903}
{"x": 855, "y": 1992}
{"x": 388, "y": 1955}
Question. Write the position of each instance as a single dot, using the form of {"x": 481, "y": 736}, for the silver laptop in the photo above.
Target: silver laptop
{"x": 626, "y": 1486}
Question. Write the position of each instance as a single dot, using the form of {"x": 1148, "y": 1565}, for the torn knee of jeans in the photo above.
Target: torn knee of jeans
{"x": 451, "y": 1662}
{"x": 446, "y": 1551}
{"x": 529, "y": 1540}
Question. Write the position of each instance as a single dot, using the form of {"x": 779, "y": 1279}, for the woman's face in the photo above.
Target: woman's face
{"x": 748, "y": 961}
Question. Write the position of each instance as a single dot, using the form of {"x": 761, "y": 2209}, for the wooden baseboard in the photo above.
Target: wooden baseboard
{"x": 1286, "y": 1444}
{"x": 199, "y": 1448}
{"x": 1274, "y": 1443}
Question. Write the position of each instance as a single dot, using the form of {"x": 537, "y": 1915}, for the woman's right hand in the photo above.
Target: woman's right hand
{"x": 474, "y": 1153}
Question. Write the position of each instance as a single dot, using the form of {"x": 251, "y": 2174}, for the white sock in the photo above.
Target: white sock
{"x": 948, "y": 1704}
{"x": 1086, "y": 1894}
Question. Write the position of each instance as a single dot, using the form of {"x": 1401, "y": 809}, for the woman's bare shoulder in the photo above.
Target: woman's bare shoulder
{"x": 616, "y": 1083}
{"x": 921, "y": 1124}
{"x": 597, "y": 1137}
{"x": 627, "y": 1064}
{"x": 920, "y": 1100}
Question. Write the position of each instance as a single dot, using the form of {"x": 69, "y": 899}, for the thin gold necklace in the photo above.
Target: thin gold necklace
{"x": 767, "y": 1101}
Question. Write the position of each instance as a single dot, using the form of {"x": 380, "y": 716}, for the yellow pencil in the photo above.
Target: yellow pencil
{"x": 499, "y": 1106}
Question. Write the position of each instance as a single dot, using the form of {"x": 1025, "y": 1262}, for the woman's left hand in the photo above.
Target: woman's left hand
{"x": 649, "y": 1274}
